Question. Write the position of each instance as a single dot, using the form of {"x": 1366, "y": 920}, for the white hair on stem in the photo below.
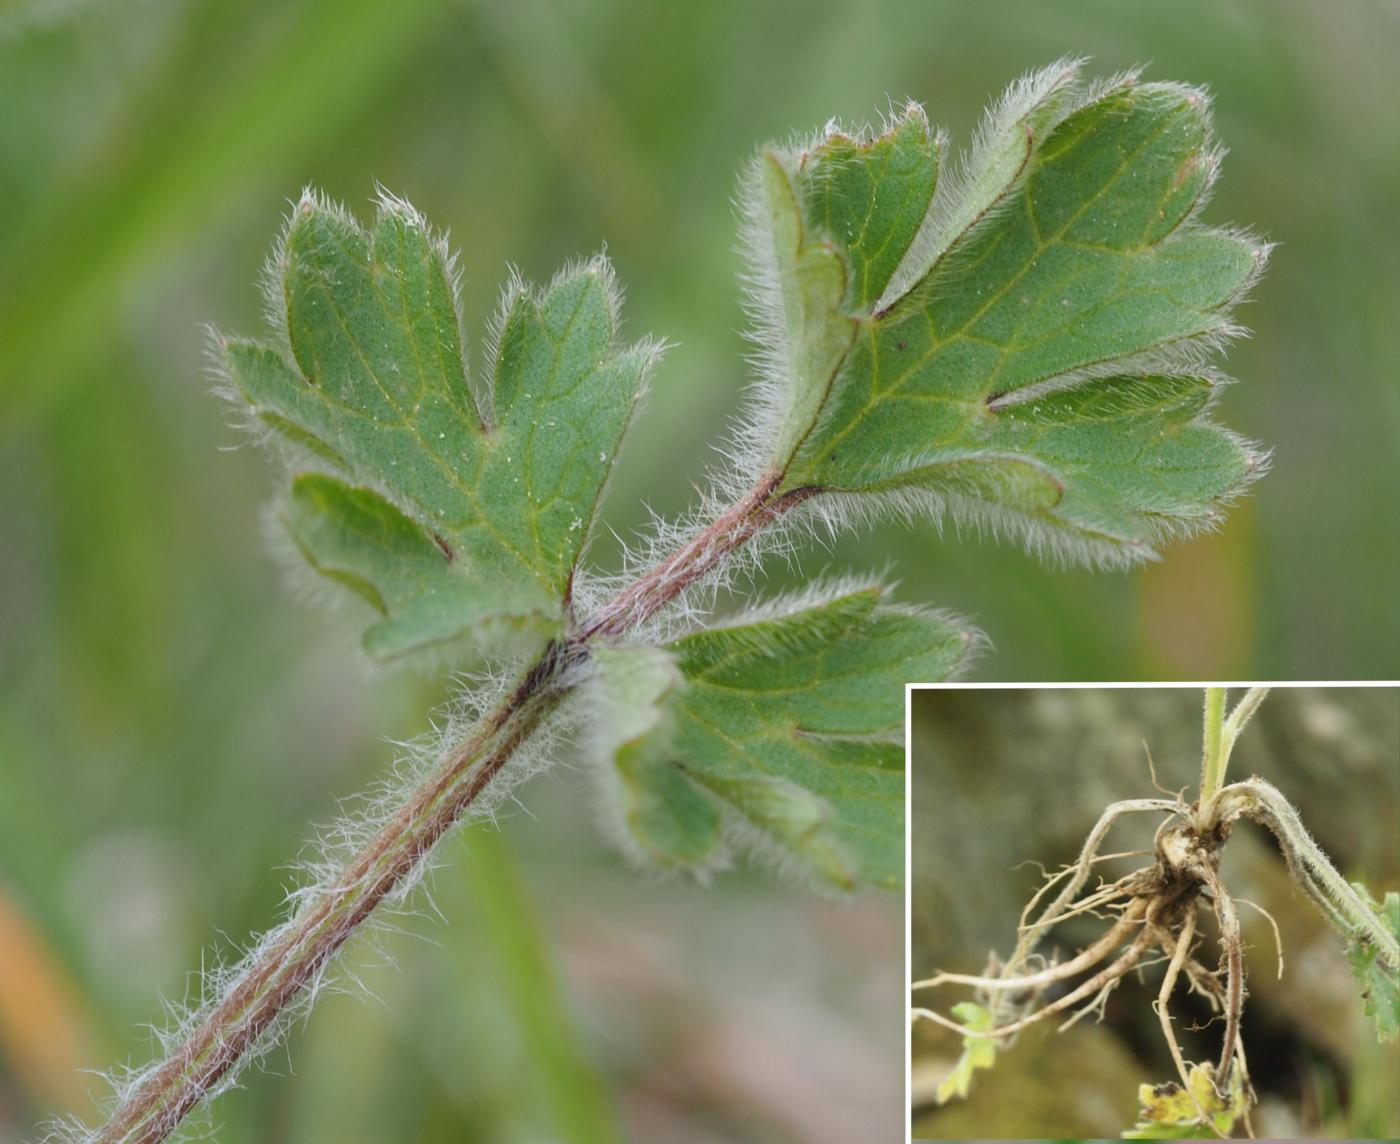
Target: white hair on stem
{"x": 318, "y": 877}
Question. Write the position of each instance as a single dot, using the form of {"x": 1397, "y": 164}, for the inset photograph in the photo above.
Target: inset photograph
{"x": 1155, "y": 912}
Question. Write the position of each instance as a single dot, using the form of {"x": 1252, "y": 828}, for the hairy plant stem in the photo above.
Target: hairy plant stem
{"x": 1312, "y": 870}
{"x": 294, "y": 961}
{"x": 1212, "y": 750}
{"x": 729, "y": 531}
{"x": 1219, "y": 741}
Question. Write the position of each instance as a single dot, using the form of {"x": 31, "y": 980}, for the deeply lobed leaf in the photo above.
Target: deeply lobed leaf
{"x": 448, "y": 511}
{"x": 1021, "y": 342}
{"x": 780, "y": 731}
{"x": 1380, "y": 983}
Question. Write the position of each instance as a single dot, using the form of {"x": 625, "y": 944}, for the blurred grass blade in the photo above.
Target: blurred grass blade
{"x": 569, "y": 1084}
{"x": 185, "y": 159}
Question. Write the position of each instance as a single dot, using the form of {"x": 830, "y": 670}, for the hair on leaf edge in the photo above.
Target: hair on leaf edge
{"x": 956, "y": 180}
{"x": 751, "y": 439}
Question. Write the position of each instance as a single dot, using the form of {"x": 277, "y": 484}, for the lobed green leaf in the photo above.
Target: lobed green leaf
{"x": 780, "y": 731}
{"x": 1022, "y": 342}
{"x": 449, "y": 511}
{"x": 1380, "y": 983}
{"x": 666, "y": 819}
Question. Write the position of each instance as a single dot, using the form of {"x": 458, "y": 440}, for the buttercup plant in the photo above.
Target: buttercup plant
{"x": 1154, "y": 913}
{"x": 1018, "y": 341}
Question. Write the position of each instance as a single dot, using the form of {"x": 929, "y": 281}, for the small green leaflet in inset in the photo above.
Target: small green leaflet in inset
{"x": 780, "y": 732}
{"x": 1021, "y": 340}
{"x": 449, "y": 511}
{"x": 1169, "y": 1113}
{"x": 1380, "y": 983}
{"x": 978, "y": 1052}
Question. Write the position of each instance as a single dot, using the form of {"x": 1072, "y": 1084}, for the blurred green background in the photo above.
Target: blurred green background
{"x": 1003, "y": 779}
{"x": 171, "y": 718}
